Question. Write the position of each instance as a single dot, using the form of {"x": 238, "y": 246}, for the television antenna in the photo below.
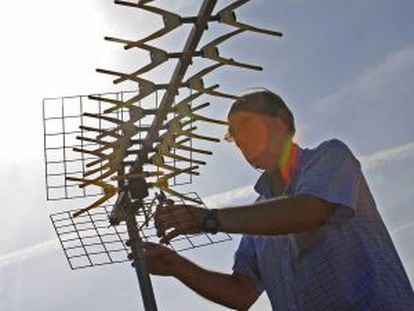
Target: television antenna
{"x": 115, "y": 149}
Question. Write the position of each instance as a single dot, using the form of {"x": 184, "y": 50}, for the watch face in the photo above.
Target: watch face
{"x": 210, "y": 222}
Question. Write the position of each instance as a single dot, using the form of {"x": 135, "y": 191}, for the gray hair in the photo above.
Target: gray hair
{"x": 263, "y": 101}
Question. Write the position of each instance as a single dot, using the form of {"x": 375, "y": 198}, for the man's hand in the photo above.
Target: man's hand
{"x": 160, "y": 260}
{"x": 172, "y": 220}
{"x": 235, "y": 291}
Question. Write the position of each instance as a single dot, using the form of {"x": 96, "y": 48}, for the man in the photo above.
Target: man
{"x": 313, "y": 240}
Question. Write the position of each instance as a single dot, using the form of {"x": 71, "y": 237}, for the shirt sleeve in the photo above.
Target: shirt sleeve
{"x": 334, "y": 175}
{"x": 245, "y": 262}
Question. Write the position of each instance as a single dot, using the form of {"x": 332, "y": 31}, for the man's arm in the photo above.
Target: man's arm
{"x": 232, "y": 290}
{"x": 276, "y": 216}
{"x": 271, "y": 217}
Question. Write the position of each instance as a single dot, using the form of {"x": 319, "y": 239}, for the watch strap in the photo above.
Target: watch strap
{"x": 210, "y": 222}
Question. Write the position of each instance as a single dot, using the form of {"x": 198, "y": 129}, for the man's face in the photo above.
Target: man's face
{"x": 259, "y": 137}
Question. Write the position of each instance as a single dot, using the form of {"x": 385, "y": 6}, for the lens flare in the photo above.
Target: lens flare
{"x": 287, "y": 160}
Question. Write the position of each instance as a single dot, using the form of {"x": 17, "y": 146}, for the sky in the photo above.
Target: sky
{"x": 345, "y": 69}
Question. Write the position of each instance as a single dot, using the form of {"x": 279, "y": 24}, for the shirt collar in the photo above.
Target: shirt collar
{"x": 263, "y": 185}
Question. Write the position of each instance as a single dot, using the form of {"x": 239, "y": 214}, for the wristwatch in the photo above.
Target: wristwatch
{"x": 210, "y": 222}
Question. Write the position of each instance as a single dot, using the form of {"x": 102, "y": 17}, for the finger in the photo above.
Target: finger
{"x": 161, "y": 213}
{"x": 155, "y": 250}
{"x": 168, "y": 202}
{"x": 167, "y": 225}
{"x": 169, "y": 209}
{"x": 149, "y": 244}
{"x": 144, "y": 252}
{"x": 131, "y": 241}
{"x": 172, "y": 234}
{"x": 176, "y": 212}
{"x": 165, "y": 204}
{"x": 164, "y": 223}
{"x": 178, "y": 217}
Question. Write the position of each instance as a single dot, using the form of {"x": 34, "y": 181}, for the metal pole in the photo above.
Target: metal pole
{"x": 143, "y": 276}
{"x": 135, "y": 188}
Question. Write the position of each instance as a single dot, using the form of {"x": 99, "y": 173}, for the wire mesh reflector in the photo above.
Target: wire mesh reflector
{"x": 66, "y": 127}
{"x": 88, "y": 240}
{"x": 63, "y": 119}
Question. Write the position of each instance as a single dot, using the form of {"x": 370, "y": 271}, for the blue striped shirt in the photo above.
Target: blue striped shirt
{"x": 348, "y": 263}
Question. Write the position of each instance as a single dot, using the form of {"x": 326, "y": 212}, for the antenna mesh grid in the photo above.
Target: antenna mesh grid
{"x": 88, "y": 240}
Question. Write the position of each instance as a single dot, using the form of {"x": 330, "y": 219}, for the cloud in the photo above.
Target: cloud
{"x": 372, "y": 110}
{"x": 28, "y": 253}
{"x": 231, "y": 197}
{"x": 381, "y": 157}
{"x": 374, "y": 81}
{"x": 402, "y": 228}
